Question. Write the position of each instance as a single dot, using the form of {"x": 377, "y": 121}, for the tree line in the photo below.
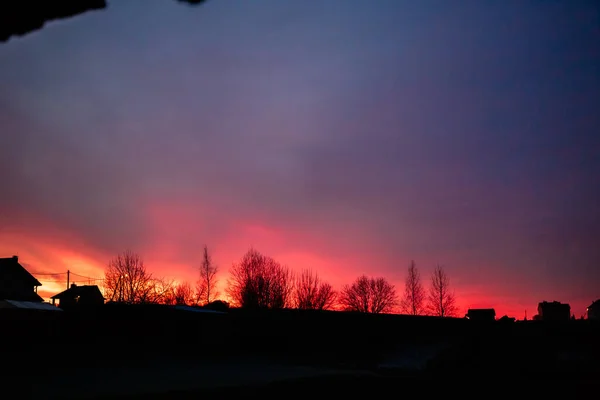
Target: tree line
{"x": 258, "y": 281}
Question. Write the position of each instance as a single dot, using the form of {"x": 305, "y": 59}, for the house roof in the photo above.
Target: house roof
{"x": 10, "y": 269}
{"x": 553, "y": 304}
{"x": 74, "y": 291}
{"x": 197, "y": 310}
{"x": 29, "y": 296}
{"x": 28, "y": 305}
{"x": 595, "y": 304}
{"x": 479, "y": 310}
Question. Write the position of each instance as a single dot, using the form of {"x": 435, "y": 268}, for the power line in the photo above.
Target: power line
{"x": 58, "y": 276}
{"x": 87, "y": 277}
{"x": 47, "y": 273}
{"x": 76, "y": 281}
{"x": 87, "y": 281}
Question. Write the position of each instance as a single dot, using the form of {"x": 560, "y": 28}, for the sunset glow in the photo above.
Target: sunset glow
{"x": 345, "y": 140}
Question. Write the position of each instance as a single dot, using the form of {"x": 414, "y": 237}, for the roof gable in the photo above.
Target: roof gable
{"x": 74, "y": 291}
{"x": 10, "y": 269}
{"x": 29, "y": 305}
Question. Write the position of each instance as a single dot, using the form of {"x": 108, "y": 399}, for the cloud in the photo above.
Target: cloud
{"x": 343, "y": 140}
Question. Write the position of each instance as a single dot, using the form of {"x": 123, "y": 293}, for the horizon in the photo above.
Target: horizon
{"x": 345, "y": 139}
{"x": 57, "y": 282}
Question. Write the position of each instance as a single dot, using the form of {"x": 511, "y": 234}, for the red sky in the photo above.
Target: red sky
{"x": 47, "y": 249}
{"x": 346, "y": 137}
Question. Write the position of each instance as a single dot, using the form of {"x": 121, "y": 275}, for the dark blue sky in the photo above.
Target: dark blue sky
{"x": 349, "y": 135}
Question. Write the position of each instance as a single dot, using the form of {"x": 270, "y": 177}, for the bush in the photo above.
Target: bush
{"x": 217, "y": 305}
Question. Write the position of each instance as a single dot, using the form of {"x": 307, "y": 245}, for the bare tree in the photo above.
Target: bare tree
{"x": 442, "y": 302}
{"x": 206, "y": 290}
{"x": 183, "y": 294}
{"x": 126, "y": 279}
{"x": 159, "y": 291}
{"x": 414, "y": 293}
{"x": 313, "y": 294}
{"x": 369, "y": 295}
{"x": 258, "y": 281}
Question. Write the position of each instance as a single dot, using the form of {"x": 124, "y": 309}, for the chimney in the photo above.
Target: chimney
{"x": 73, "y": 285}
{"x": 15, "y": 258}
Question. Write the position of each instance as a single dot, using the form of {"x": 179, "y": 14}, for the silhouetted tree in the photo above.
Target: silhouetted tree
{"x": 369, "y": 295}
{"x": 442, "y": 302}
{"x": 414, "y": 293}
{"x": 258, "y": 281}
{"x": 159, "y": 291}
{"x": 183, "y": 294}
{"x": 126, "y": 279}
{"x": 312, "y": 294}
{"x": 206, "y": 287}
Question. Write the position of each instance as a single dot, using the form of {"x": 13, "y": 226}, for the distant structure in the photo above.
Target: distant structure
{"x": 507, "y": 319}
{"x": 78, "y": 297}
{"x": 593, "y": 311}
{"x": 481, "y": 314}
{"x": 217, "y": 305}
{"x": 553, "y": 311}
{"x": 16, "y": 283}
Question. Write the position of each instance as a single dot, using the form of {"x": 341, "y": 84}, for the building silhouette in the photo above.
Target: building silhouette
{"x": 16, "y": 283}
{"x": 507, "y": 319}
{"x": 554, "y": 311}
{"x": 481, "y": 314}
{"x": 79, "y": 296}
{"x": 593, "y": 310}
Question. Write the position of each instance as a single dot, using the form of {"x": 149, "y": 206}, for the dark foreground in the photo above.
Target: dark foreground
{"x": 380, "y": 387}
{"x": 158, "y": 352}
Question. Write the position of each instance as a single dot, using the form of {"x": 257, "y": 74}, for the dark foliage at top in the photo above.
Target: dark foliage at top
{"x": 20, "y": 17}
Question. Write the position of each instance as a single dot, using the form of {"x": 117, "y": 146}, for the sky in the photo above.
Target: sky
{"x": 349, "y": 137}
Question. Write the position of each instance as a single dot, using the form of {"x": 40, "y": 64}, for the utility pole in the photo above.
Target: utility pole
{"x": 68, "y": 276}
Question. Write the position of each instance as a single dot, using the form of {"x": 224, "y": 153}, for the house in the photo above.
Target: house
{"x": 79, "y": 296}
{"x": 16, "y": 283}
{"x": 593, "y": 311}
{"x": 481, "y": 314}
{"x": 554, "y": 311}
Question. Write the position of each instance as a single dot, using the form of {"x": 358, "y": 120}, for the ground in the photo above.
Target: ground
{"x": 161, "y": 353}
